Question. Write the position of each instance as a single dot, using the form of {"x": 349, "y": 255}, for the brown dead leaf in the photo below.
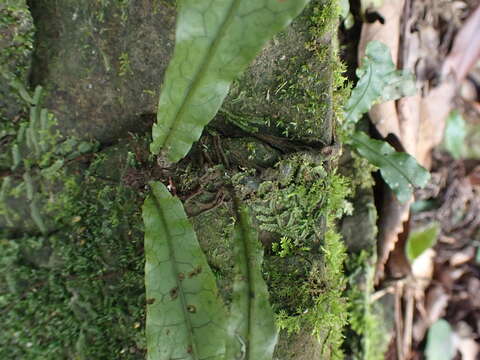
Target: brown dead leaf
{"x": 422, "y": 268}
{"x": 417, "y": 121}
{"x": 465, "y": 341}
{"x": 463, "y": 256}
{"x": 474, "y": 176}
{"x": 434, "y": 110}
{"x": 390, "y": 227}
{"x": 435, "y": 305}
{"x": 466, "y": 48}
{"x": 386, "y": 31}
{"x": 398, "y": 266}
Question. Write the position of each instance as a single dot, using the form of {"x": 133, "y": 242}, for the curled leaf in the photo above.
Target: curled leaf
{"x": 379, "y": 81}
{"x": 185, "y": 316}
{"x": 215, "y": 41}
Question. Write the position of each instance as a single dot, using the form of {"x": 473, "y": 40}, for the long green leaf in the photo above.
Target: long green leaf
{"x": 379, "y": 81}
{"x": 399, "y": 170}
{"x": 252, "y": 330}
{"x": 215, "y": 41}
{"x": 185, "y": 316}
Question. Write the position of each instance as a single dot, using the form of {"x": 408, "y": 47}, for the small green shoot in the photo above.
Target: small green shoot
{"x": 421, "y": 240}
{"x": 455, "y": 134}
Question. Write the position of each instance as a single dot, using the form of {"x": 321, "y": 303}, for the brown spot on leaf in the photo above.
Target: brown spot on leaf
{"x": 181, "y": 276}
{"x": 195, "y": 272}
{"x": 150, "y": 301}
{"x": 189, "y": 349}
{"x": 191, "y": 308}
{"x": 174, "y": 293}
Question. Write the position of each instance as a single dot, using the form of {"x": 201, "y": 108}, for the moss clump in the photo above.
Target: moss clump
{"x": 71, "y": 265}
{"x": 298, "y": 204}
{"x": 294, "y": 84}
{"x": 297, "y": 200}
{"x": 214, "y": 230}
{"x": 35, "y": 158}
{"x": 368, "y": 331}
{"x": 77, "y": 293}
{"x": 16, "y": 44}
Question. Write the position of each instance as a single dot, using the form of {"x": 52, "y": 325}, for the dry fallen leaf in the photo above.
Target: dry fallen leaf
{"x": 417, "y": 121}
{"x": 463, "y": 256}
{"x": 435, "y": 305}
{"x": 422, "y": 267}
{"x": 389, "y": 229}
{"x": 466, "y": 48}
{"x": 465, "y": 341}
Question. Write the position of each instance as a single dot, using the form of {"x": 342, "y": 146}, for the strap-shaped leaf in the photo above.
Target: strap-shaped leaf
{"x": 253, "y": 335}
{"x": 399, "y": 170}
{"x": 378, "y": 81}
{"x": 215, "y": 41}
{"x": 185, "y": 316}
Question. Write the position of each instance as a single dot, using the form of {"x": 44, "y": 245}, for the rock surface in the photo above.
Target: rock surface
{"x": 102, "y": 62}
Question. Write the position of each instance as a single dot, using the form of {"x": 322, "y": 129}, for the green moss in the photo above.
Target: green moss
{"x": 214, "y": 230}
{"x": 368, "y": 331}
{"x": 299, "y": 203}
{"x": 78, "y": 293}
{"x": 124, "y": 64}
{"x": 16, "y": 44}
{"x": 71, "y": 265}
{"x": 293, "y": 85}
{"x": 85, "y": 282}
{"x": 36, "y": 156}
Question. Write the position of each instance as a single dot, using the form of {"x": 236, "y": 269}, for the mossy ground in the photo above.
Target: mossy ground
{"x": 76, "y": 291}
{"x": 16, "y": 44}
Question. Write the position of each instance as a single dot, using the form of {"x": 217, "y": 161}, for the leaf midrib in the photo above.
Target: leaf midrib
{"x": 370, "y": 74}
{"x": 201, "y": 72}
{"x": 244, "y": 234}
{"x": 386, "y": 159}
{"x": 176, "y": 272}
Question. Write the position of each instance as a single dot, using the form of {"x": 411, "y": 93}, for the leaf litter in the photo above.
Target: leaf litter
{"x": 438, "y": 41}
